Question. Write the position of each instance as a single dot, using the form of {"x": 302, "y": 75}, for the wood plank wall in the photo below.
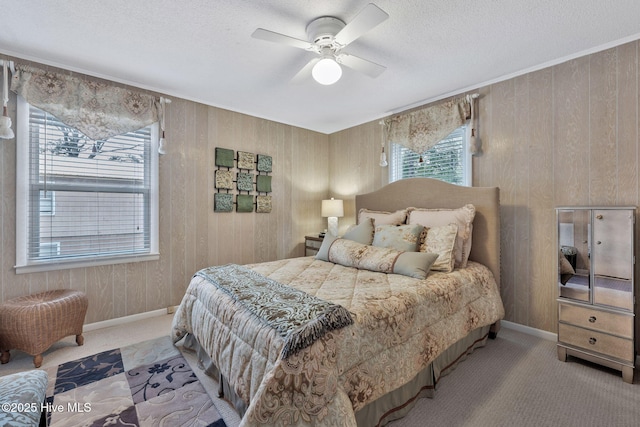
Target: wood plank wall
{"x": 354, "y": 156}
{"x": 563, "y": 135}
{"x": 192, "y": 236}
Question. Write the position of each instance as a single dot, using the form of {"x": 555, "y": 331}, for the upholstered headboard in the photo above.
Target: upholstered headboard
{"x": 432, "y": 193}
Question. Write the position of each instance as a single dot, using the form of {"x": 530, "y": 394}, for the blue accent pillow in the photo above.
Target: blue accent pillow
{"x": 403, "y": 238}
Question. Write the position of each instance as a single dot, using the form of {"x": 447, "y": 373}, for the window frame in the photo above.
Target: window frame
{"x": 467, "y": 161}
{"x": 23, "y": 263}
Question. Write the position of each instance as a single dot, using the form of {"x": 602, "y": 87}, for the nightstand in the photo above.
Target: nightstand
{"x": 312, "y": 245}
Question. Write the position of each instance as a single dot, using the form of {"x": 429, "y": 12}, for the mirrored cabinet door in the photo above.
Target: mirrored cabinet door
{"x": 613, "y": 258}
{"x": 574, "y": 254}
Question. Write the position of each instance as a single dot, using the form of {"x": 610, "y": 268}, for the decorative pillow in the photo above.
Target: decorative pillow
{"x": 385, "y": 260}
{"x": 323, "y": 252}
{"x": 400, "y": 237}
{"x": 438, "y": 217}
{"x": 564, "y": 264}
{"x": 414, "y": 264}
{"x": 441, "y": 241}
{"x": 382, "y": 217}
{"x": 361, "y": 233}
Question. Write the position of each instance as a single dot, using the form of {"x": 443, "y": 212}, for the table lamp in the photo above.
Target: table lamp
{"x": 332, "y": 209}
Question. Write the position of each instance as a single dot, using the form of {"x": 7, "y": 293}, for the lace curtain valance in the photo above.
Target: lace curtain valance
{"x": 95, "y": 108}
{"x": 422, "y": 129}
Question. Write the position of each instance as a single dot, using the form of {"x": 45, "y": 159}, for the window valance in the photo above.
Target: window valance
{"x": 422, "y": 129}
{"x": 97, "y": 109}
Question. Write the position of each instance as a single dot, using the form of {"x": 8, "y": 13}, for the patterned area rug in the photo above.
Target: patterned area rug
{"x": 146, "y": 384}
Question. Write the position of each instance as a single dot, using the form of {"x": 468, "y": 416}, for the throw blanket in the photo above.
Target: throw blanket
{"x": 301, "y": 319}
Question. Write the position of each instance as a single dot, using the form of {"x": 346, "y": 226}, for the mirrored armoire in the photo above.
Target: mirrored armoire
{"x": 596, "y": 305}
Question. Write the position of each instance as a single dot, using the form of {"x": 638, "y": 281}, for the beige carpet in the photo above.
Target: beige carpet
{"x": 516, "y": 380}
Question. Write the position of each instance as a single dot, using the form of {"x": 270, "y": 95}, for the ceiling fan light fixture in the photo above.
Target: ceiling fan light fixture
{"x": 327, "y": 71}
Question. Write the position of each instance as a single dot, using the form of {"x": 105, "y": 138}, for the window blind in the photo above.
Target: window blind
{"x": 446, "y": 161}
{"x": 87, "y": 199}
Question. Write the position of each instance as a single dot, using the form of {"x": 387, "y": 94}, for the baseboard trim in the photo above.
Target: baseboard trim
{"x": 549, "y": 336}
{"x": 119, "y": 321}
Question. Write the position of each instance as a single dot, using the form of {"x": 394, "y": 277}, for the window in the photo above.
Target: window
{"x": 83, "y": 202}
{"x": 449, "y": 160}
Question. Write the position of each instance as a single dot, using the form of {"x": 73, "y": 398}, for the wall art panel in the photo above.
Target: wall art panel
{"x": 224, "y": 179}
{"x": 244, "y": 203}
{"x": 237, "y": 184}
{"x": 224, "y": 157}
{"x": 264, "y": 163}
{"x": 245, "y": 181}
{"x": 246, "y": 160}
{"x": 223, "y": 202}
{"x": 263, "y": 184}
{"x": 263, "y": 204}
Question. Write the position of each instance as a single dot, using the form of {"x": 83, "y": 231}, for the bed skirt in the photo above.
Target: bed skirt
{"x": 389, "y": 407}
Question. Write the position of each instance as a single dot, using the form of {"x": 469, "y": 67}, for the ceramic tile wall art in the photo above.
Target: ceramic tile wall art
{"x": 245, "y": 181}
{"x": 263, "y": 184}
{"x": 244, "y": 203}
{"x": 223, "y": 202}
{"x": 246, "y": 160}
{"x": 264, "y": 163}
{"x": 224, "y": 157}
{"x": 263, "y": 204}
{"x": 264, "y": 166}
{"x": 224, "y": 179}
{"x": 236, "y": 183}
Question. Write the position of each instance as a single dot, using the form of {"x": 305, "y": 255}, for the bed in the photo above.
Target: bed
{"x": 384, "y": 338}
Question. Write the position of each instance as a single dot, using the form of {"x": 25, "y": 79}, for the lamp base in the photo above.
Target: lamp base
{"x": 332, "y": 224}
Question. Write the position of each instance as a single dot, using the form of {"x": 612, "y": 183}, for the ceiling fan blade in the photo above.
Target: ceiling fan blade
{"x": 366, "y": 67}
{"x": 304, "y": 74}
{"x": 368, "y": 18}
{"x": 271, "y": 36}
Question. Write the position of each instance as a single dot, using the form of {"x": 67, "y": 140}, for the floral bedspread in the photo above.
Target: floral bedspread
{"x": 400, "y": 325}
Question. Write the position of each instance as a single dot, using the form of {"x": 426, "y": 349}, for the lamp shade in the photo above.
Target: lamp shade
{"x": 333, "y": 208}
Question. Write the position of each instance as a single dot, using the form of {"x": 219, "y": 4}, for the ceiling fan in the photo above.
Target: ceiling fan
{"x": 328, "y": 36}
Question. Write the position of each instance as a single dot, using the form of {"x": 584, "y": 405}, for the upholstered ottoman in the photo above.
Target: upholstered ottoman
{"x": 22, "y": 398}
{"x": 32, "y": 323}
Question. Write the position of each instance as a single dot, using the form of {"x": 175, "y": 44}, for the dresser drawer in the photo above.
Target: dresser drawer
{"x": 592, "y": 341}
{"x": 603, "y": 321}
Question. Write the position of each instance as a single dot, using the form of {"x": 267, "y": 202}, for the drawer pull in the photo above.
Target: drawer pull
{"x": 598, "y": 242}
{"x": 599, "y": 216}
{"x": 592, "y": 341}
{"x": 592, "y": 319}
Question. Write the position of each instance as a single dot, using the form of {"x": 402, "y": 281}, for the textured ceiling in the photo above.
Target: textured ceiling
{"x": 202, "y": 50}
